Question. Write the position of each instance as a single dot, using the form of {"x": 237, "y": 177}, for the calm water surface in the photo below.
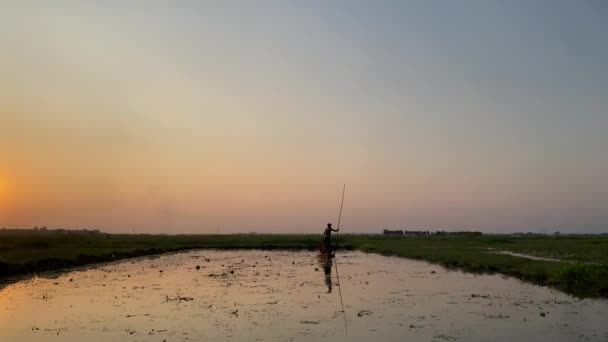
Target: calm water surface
{"x": 289, "y": 296}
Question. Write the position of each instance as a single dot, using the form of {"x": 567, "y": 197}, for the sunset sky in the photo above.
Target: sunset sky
{"x": 238, "y": 116}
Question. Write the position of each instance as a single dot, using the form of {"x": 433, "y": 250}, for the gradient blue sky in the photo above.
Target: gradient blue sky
{"x": 249, "y": 115}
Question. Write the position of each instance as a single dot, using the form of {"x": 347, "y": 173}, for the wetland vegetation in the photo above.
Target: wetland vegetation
{"x": 582, "y": 271}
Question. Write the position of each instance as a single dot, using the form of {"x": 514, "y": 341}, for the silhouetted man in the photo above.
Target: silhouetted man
{"x": 327, "y": 239}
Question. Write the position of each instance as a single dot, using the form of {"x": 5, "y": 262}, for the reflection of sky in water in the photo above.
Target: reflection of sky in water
{"x": 283, "y": 296}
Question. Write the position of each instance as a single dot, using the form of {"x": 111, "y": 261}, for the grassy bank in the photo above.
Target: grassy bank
{"x": 584, "y": 272}
{"x": 584, "y": 275}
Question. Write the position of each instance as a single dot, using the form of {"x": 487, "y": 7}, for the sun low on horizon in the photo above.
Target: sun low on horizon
{"x": 240, "y": 117}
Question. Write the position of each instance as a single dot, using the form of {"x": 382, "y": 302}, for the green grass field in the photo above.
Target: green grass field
{"x": 585, "y": 274}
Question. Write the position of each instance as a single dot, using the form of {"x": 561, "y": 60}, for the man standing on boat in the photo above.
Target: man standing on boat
{"x": 327, "y": 248}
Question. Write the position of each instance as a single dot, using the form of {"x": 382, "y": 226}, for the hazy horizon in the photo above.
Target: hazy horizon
{"x": 185, "y": 117}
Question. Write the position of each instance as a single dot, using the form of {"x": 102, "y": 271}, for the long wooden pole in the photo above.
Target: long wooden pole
{"x": 341, "y": 205}
{"x": 336, "y": 261}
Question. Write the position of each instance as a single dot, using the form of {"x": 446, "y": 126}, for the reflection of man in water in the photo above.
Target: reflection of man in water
{"x": 325, "y": 262}
{"x": 327, "y": 239}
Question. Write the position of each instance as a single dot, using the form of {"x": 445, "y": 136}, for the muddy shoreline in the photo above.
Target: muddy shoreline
{"x": 10, "y": 270}
{"x": 579, "y": 276}
{"x": 10, "y": 273}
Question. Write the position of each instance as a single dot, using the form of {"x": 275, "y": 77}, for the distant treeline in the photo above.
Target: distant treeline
{"x": 45, "y": 231}
{"x": 428, "y": 233}
{"x": 475, "y": 233}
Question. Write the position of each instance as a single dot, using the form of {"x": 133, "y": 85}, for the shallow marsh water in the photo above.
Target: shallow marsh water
{"x": 284, "y": 296}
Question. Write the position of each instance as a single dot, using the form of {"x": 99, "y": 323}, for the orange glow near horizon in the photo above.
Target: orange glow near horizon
{"x": 2, "y": 189}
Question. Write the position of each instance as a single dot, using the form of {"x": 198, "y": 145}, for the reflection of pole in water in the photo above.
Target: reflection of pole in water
{"x": 341, "y": 301}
